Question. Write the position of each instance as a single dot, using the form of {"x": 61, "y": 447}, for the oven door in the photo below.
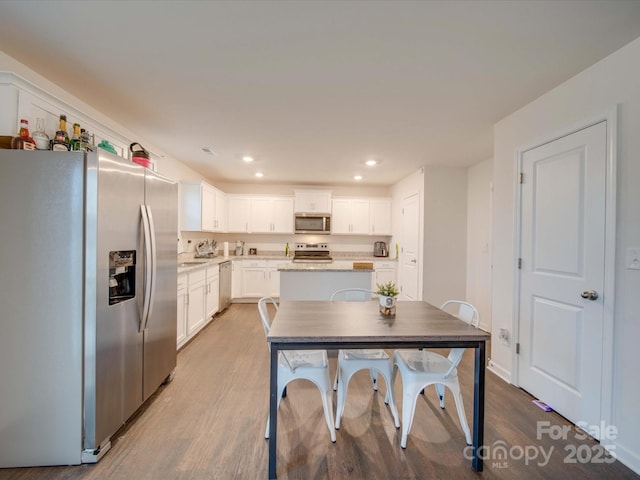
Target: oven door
{"x": 318, "y": 224}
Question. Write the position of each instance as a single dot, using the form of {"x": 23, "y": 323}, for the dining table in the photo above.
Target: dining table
{"x": 310, "y": 325}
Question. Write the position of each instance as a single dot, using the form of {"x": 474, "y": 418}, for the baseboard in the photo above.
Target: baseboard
{"x": 627, "y": 457}
{"x": 499, "y": 371}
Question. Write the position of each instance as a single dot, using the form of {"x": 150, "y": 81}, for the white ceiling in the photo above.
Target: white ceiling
{"x": 312, "y": 89}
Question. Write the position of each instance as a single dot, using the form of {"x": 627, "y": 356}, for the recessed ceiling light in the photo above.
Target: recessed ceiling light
{"x": 370, "y": 163}
{"x": 259, "y": 174}
{"x": 357, "y": 177}
{"x": 247, "y": 159}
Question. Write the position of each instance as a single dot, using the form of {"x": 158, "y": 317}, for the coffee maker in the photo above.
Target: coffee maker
{"x": 380, "y": 249}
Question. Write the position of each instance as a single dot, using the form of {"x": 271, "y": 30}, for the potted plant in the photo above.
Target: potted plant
{"x": 387, "y": 293}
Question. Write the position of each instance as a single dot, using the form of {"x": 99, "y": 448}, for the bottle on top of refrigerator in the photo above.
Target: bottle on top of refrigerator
{"x": 60, "y": 142}
{"x": 23, "y": 141}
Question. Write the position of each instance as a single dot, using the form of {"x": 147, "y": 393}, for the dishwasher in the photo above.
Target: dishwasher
{"x": 225, "y": 285}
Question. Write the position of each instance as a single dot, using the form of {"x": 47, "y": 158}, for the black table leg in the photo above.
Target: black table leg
{"x": 478, "y": 406}
{"x": 273, "y": 411}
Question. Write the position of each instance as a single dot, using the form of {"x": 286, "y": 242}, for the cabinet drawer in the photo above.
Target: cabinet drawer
{"x": 377, "y": 265}
{"x": 197, "y": 275}
{"x": 254, "y": 264}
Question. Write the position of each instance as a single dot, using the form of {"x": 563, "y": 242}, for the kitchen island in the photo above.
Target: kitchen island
{"x": 309, "y": 281}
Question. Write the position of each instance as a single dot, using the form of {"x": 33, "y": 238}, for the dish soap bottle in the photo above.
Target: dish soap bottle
{"x": 286, "y": 250}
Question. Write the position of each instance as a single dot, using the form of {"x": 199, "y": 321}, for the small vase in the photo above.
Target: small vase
{"x": 40, "y": 136}
{"x": 387, "y": 305}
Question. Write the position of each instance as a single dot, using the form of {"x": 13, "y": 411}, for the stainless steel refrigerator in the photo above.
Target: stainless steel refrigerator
{"x": 87, "y": 300}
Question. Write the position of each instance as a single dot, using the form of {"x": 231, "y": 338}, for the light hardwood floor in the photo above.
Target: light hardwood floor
{"x": 209, "y": 422}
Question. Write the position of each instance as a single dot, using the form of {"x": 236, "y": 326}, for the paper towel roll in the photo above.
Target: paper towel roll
{"x": 225, "y": 249}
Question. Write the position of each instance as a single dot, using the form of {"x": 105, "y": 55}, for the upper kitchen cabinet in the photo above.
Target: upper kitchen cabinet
{"x": 199, "y": 207}
{"x": 238, "y": 211}
{"x": 271, "y": 215}
{"x": 350, "y": 216}
{"x": 381, "y": 216}
{"x": 312, "y": 201}
{"x": 361, "y": 216}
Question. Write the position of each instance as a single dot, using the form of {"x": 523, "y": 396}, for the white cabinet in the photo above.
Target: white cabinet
{"x": 380, "y": 216}
{"x": 350, "y": 216}
{"x": 238, "y": 213}
{"x": 236, "y": 278}
{"x": 212, "y": 291}
{"x": 198, "y": 207}
{"x": 312, "y": 201}
{"x": 262, "y": 277}
{"x": 259, "y": 214}
{"x": 384, "y": 272}
{"x": 254, "y": 278}
{"x": 182, "y": 310}
{"x": 196, "y": 315}
{"x": 361, "y": 216}
{"x": 271, "y": 215}
{"x": 220, "y": 216}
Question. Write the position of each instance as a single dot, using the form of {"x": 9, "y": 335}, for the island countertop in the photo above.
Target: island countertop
{"x": 321, "y": 267}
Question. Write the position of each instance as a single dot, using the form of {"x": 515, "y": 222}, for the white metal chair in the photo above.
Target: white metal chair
{"x": 312, "y": 365}
{"x": 352, "y": 361}
{"x": 421, "y": 368}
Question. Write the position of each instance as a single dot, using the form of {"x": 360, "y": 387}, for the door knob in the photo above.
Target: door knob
{"x": 413, "y": 260}
{"x": 589, "y": 295}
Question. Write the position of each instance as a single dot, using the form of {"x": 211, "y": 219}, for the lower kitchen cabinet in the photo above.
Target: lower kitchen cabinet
{"x": 212, "y": 293}
{"x": 198, "y": 301}
{"x": 384, "y": 272}
{"x": 182, "y": 309}
{"x": 261, "y": 278}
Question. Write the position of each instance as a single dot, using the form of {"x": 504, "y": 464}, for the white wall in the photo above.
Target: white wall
{"x": 167, "y": 166}
{"x": 410, "y": 185}
{"x": 614, "y": 80}
{"x": 445, "y": 234}
{"x": 479, "y": 240}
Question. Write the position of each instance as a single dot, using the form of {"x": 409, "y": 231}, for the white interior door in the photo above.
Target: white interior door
{"x": 409, "y": 256}
{"x": 562, "y": 259}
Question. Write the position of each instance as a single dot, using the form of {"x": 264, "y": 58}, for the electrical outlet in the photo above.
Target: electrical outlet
{"x": 633, "y": 259}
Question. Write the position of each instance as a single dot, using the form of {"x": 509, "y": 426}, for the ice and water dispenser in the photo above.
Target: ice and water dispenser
{"x": 122, "y": 276}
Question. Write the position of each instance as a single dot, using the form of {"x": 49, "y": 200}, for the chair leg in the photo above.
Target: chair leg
{"x": 335, "y": 380}
{"x": 327, "y": 405}
{"x": 457, "y": 395}
{"x": 408, "y": 410}
{"x": 343, "y": 386}
{"x": 440, "y": 392}
{"x": 389, "y": 398}
{"x": 374, "y": 379}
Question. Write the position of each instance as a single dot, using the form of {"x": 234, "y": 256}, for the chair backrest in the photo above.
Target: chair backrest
{"x": 352, "y": 295}
{"x": 264, "y": 312}
{"x": 467, "y": 313}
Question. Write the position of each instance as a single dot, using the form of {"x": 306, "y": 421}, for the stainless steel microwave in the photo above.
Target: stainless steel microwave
{"x": 312, "y": 223}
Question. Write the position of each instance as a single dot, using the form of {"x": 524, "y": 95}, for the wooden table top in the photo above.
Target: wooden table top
{"x": 322, "y": 321}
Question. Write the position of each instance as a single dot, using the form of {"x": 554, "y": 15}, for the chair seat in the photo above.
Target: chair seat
{"x": 304, "y": 358}
{"x": 425, "y": 362}
{"x": 365, "y": 354}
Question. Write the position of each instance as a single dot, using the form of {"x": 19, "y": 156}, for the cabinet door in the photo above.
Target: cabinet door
{"x": 182, "y": 310}
{"x": 254, "y": 281}
{"x": 341, "y": 216}
{"x": 238, "y": 214}
{"x": 208, "y": 208}
{"x": 261, "y": 215}
{"x": 283, "y": 215}
{"x": 313, "y": 201}
{"x": 236, "y": 278}
{"x": 381, "y": 217}
{"x": 196, "y": 316}
{"x": 220, "y": 221}
{"x": 384, "y": 272}
{"x": 360, "y": 217}
{"x": 212, "y": 301}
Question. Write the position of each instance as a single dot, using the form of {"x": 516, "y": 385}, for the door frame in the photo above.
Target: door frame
{"x": 611, "y": 117}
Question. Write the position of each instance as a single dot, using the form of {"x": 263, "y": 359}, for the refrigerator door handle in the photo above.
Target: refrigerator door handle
{"x": 152, "y": 290}
{"x": 148, "y": 268}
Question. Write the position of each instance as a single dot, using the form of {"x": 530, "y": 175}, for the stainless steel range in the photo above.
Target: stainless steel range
{"x": 312, "y": 252}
